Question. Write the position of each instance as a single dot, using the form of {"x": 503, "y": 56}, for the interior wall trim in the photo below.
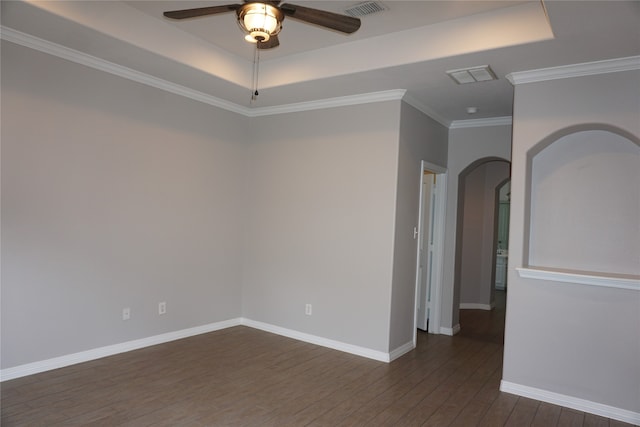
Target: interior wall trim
{"x": 475, "y": 123}
{"x": 402, "y": 350}
{"x": 110, "y": 350}
{"x": 366, "y": 98}
{"x": 476, "y": 306}
{"x": 420, "y": 106}
{"x": 324, "y": 342}
{"x": 96, "y": 63}
{"x": 82, "y": 58}
{"x": 579, "y": 278}
{"x": 571, "y": 402}
{"x": 575, "y": 70}
{"x": 450, "y": 331}
{"x": 98, "y": 353}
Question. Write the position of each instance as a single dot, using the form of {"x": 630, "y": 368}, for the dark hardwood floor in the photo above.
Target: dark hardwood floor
{"x": 245, "y": 377}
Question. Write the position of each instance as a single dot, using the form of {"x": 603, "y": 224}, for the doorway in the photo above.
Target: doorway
{"x": 425, "y": 250}
{"x": 430, "y": 241}
{"x": 477, "y": 239}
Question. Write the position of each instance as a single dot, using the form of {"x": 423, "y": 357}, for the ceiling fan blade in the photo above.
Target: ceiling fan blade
{"x": 334, "y": 21}
{"x": 271, "y": 43}
{"x": 201, "y": 11}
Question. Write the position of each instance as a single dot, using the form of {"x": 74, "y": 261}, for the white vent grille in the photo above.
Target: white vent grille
{"x": 366, "y": 8}
{"x": 480, "y": 73}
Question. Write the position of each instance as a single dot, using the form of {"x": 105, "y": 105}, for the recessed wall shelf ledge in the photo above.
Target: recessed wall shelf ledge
{"x": 629, "y": 282}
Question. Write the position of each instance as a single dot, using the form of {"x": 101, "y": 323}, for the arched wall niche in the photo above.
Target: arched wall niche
{"x": 582, "y": 202}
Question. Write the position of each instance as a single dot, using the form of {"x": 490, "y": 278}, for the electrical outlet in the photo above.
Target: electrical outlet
{"x": 162, "y": 307}
{"x": 308, "y": 309}
{"x": 126, "y": 313}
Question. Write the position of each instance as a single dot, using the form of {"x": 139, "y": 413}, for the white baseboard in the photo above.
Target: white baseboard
{"x": 571, "y": 402}
{"x": 475, "y": 306}
{"x": 450, "y": 331}
{"x": 98, "y": 353}
{"x": 110, "y": 350}
{"x": 324, "y": 342}
{"x": 402, "y": 350}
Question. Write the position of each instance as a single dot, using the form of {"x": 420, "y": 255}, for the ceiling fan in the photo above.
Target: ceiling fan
{"x": 261, "y": 21}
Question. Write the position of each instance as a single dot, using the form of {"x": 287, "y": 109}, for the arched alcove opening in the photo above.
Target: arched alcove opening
{"x": 476, "y": 233}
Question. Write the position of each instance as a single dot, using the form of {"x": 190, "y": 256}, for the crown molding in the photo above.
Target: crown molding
{"x": 457, "y": 124}
{"x": 575, "y": 70}
{"x": 366, "y": 98}
{"x": 82, "y": 58}
{"x": 426, "y": 110}
{"x": 476, "y": 123}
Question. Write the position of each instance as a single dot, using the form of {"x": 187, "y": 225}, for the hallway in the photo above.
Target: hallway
{"x": 485, "y": 325}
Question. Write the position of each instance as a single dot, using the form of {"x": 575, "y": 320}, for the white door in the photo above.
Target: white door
{"x": 425, "y": 248}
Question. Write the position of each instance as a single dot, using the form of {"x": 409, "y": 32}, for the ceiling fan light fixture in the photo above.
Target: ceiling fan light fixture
{"x": 259, "y": 21}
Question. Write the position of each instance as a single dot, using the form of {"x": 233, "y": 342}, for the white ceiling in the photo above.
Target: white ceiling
{"x": 410, "y": 46}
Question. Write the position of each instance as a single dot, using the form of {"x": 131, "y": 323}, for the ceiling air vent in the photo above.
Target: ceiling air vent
{"x": 366, "y": 8}
{"x": 480, "y": 73}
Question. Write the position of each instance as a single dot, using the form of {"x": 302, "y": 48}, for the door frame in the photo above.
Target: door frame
{"x": 425, "y": 249}
{"x": 436, "y": 272}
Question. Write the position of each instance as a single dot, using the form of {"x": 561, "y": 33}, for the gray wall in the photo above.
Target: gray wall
{"x": 114, "y": 195}
{"x": 466, "y": 145}
{"x": 334, "y": 200}
{"x": 322, "y": 200}
{"x": 119, "y": 195}
{"x": 421, "y": 138}
{"x": 576, "y": 340}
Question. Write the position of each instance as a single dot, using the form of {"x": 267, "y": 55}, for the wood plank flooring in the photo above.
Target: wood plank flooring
{"x": 245, "y": 377}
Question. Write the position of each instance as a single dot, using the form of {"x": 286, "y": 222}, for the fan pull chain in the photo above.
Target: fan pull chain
{"x": 256, "y": 69}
